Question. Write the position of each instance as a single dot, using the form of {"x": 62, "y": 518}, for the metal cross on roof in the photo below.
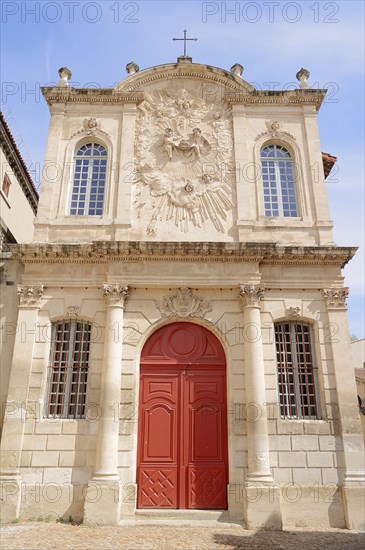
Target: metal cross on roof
{"x": 185, "y": 40}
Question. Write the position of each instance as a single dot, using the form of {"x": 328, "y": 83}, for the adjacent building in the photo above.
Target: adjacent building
{"x": 18, "y": 208}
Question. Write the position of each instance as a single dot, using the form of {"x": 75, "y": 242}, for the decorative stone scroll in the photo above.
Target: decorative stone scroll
{"x": 293, "y": 313}
{"x": 183, "y": 304}
{"x": 335, "y": 298}
{"x": 91, "y": 127}
{"x": 274, "y": 130}
{"x": 251, "y": 294}
{"x": 30, "y": 296}
{"x": 73, "y": 311}
{"x": 116, "y": 294}
{"x": 185, "y": 169}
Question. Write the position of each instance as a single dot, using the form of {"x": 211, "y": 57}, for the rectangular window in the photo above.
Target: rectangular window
{"x": 297, "y": 371}
{"x": 68, "y": 369}
{"x": 6, "y": 185}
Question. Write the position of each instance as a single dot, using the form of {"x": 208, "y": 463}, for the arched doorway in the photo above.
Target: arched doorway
{"x": 182, "y": 427}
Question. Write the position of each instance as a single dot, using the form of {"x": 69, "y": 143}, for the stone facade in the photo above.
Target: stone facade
{"x": 183, "y": 236}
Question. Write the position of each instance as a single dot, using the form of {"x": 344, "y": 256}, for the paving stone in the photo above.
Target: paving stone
{"x": 56, "y": 536}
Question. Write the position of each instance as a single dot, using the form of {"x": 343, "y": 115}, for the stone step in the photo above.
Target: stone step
{"x": 198, "y": 518}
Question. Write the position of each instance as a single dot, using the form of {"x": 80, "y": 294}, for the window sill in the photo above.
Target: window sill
{"x": 283, "y": 222}
{"x": 79, "y": 221}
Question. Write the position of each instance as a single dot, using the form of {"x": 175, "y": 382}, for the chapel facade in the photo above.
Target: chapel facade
{"x": 183, "y": 342}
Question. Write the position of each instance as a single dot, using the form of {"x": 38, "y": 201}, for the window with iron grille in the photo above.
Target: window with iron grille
{"x": 297, "y": 370}
{"x": 88, "y": 186}
{"x": 68, "y": 369}
{"x": 278, "y": 179}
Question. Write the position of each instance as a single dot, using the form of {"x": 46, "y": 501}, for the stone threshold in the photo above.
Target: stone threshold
{"x": 192, "y": 518}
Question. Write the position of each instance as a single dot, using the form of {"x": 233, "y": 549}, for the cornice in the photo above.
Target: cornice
{"x": 277, "y": 97}
{"x": 133, "y": 251}
{"x": 237, "y": 96}
{"x": 108, "y": 96}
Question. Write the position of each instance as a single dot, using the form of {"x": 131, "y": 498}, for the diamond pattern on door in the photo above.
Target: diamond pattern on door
{"x": 182, "y": 425}
{"x": 158, "y": 489}
{"x": 207, "y": 488}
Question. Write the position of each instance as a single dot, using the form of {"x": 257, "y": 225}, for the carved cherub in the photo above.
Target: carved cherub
{"x": 169, "y": 142}
{"x": 182, "y": 101}
{"x": 200, "y": 143}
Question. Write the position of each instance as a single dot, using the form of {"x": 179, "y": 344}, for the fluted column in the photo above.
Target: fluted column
{"x": 257, "y": 430}
{"x": 106, "y": 481}
{"x": 16, "y": 406}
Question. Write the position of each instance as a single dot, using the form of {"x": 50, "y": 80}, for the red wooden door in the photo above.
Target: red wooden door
{"x": 182, "y": 432}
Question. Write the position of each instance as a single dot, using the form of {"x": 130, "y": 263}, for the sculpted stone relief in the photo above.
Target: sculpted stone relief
{"x": 91, "y": 127}
{"x": 183, "y": 304}
{"x": 184, "y": 159}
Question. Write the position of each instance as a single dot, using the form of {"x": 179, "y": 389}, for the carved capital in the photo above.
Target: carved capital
{"x": 251, "y": 294}
{"x": 183, "y": 304}
{"x": 335, "y": 298}
{"x": 116, "y": 294}
{"x": 30, "y": 296}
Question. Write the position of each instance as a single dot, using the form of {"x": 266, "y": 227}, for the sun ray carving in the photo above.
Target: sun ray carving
{"x": 184, "y": 158}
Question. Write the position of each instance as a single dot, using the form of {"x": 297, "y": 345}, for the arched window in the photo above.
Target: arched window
{"x": 278, "y": 179}
{"x": 88, "y": 186}
{"x": 68, "y": 369}
{"x": 296, "y": 370}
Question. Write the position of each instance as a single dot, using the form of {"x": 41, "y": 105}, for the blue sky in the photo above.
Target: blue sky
{"x": 271, "y": 39}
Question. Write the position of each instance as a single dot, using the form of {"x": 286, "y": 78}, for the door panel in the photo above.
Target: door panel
{"x": 157, "y": 488}
{"x": 182, "y": 434}
{"x": 207, "y": 432}
{"x": 158, "y": 449}
{"x": 207, "y": 488}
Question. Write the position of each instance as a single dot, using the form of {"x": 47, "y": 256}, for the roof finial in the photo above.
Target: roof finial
{"x": 132, "y": 67}
{"x": 65, "y": 76}
{"x": 302, "y": 76}
{"x": 237, "y": 69}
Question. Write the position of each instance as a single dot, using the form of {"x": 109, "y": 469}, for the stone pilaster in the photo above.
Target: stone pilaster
{"x": 348, "y": 421}
{"x": 126, "y": 172}
{"x": 262, "y": 506}
{"x": 103, "y": 498}
{"x": 16, "y": 406}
